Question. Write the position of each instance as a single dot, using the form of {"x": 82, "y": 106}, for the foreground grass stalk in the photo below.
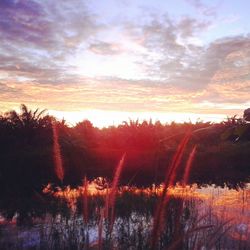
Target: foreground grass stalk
{"x": 111, "y": 196}
{"x": 176, "y": 237}
{"x": 85, "y": 200}
{"x": 100, "y": 226}
{"x": 189, "y": 165}
{"x": 57, "y": 154}
{"x": 164, "y": 199}
{"x": 85, "y": 211}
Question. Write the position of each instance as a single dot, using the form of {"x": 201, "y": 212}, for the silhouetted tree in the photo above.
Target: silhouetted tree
{"x": 246, "y": 114}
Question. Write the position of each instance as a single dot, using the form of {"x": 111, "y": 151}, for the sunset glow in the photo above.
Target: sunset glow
{"x": 108, "y": 62}
{"x": 101, "y": 118}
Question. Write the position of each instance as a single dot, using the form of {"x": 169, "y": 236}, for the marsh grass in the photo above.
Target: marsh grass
{"x": 185, "y": 227}
{"x": 164, "y": 198}
{"x": 116, "y": 217}
{"x": 57, "y": 153}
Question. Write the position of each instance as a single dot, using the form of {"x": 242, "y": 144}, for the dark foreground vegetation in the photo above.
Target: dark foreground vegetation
{"x": 27, "y": 157}
{"x": 39, "y": 153}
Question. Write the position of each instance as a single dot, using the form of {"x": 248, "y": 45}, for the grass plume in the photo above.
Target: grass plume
{"x": 169, "y": 181}
{"x": 111, "y": 196}
{"x": 85, "y": 200}
{"x": 57, "y": 153}
{"x": 189, "y": 165}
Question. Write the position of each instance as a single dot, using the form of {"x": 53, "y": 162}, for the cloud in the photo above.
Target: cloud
{"x": 6, "y": 90}
{"x": 174, "y": 54}
{"x": 188, "y": 27}
{"x": 184, "y": 64}
{"x": 11, "y": 94}
{"x": 206, "y": 10}
{"x": 37, "y": 37}
{"x": 38, "y": 44}
{"x": 104, "y": 48}
{"x": 230, "y": 59}
{"x": 105, "y": 94}
{"x": 45, "y": 25}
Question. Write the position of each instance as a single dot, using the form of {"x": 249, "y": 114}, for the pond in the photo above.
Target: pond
{"x": 194, "y": 217}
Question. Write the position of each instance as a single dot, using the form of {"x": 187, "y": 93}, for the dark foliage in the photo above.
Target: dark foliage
{"x": 26, "y": 145}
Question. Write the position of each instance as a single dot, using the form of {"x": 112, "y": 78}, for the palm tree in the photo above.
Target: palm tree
{"x": 27, "y": 118}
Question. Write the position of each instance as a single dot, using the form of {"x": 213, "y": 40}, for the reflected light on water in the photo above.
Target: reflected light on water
{"x": 233, "y": 205}
{"x": 229, "y": 206}
{"x": 93, "y": 189}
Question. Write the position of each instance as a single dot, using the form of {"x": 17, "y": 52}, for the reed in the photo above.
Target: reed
{"x": 57, "y": 153}
{"x": 169, "y": 181}
{"x": 179, "y": 210}
{"x": 189, "y": 165}
{"x": 111, "y": 196}
{"x": 85, "y": 200}
{"x": 100, "y": 226}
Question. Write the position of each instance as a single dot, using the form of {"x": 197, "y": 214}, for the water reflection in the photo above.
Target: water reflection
{"x": 195, "y": 217}
{"x": 232, "y": 206}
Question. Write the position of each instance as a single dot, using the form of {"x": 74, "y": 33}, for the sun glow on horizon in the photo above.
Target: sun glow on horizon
{"x": 101, "y": 118}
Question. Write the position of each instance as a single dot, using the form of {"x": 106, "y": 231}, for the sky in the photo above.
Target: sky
{"x": 110, "y": 60}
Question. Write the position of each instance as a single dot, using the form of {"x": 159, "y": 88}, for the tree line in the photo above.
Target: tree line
{"x": 27, "y": 161}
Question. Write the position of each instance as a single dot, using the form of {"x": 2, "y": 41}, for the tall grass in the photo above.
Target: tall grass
{"x": 100, "y": 229}
{"x": 108, "y": 211}
{"x": 169, "y": 181}
{"x": 57, "y": 153}
{"x": 189, "y": 165}
{"x": 85, "y": 200}
{"x": 111, "y": 196}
